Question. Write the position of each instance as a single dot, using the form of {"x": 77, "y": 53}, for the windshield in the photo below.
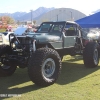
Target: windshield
{"x": 23, "y": 30}
{"x": 51, "y": 27}
{"x": 20, "y": 30}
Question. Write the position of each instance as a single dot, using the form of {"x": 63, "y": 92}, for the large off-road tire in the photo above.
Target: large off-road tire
{"x": 44, "y": 66}
{"x": 91, "y": 55}
{"x": 9, "y": 69}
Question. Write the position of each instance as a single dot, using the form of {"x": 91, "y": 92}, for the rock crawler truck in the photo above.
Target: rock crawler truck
{"x": 42, "y": 52}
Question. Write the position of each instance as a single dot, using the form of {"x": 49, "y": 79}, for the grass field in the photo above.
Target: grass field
{"x": 74, "y": 83}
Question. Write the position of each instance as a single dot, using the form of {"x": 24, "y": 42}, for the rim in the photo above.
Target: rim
{"x": 48, "y": 68}
{"x": 95, "y": 56}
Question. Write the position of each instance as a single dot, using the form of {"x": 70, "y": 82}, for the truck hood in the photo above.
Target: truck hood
{"x": 43, "y": 37}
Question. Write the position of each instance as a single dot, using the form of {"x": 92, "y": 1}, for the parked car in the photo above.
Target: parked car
{"x": 94, "y": 35}
{"x": 6, "y": 35}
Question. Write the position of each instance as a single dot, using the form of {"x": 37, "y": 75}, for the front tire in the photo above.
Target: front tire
{"x": 44, "y": 66}
{"x": 6, "y": 69}
{"x": 91, "y": 55}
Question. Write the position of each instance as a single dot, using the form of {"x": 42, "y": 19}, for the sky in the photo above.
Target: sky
{"x": 85, "y": 6}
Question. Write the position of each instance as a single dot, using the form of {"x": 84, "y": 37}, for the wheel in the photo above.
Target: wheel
{"x": 8, "y": 68}
{"x": 44, "y": 66}
{"x": 91, "y": 55}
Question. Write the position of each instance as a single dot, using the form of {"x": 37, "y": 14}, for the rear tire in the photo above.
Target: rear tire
{"x": 91, "y": 55}
{"x": 9, "y": 69}
{"x": 44, "y": 66}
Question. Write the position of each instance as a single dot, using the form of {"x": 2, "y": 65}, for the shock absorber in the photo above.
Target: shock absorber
{"x": 34, "y": 46}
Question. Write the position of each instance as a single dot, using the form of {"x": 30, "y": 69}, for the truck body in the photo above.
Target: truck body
{"x": 41, "y": 52}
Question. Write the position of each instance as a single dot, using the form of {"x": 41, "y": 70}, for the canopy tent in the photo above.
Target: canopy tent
{"x": 92, "y": 21}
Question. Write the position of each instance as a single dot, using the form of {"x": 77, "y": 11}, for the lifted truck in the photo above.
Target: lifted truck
{"x": 42, "y": 52}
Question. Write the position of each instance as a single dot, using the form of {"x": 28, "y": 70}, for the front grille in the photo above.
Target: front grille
{"x": 25, "y": 43}
{"x": 24, "y": 40}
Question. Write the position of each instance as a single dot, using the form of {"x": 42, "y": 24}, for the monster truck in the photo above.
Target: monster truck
{"x": 41, "y": 52}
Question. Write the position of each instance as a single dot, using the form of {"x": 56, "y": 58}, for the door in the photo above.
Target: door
{"x": 69, "y": 41}
{"x": 70, "y": 35}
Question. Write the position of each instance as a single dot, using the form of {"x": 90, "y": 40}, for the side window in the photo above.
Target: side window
{"x": 56, "y": 28}
{"x": 70, "y": 30}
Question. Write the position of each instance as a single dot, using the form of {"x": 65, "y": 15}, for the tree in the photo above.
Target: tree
{"x": 7, "y": 20}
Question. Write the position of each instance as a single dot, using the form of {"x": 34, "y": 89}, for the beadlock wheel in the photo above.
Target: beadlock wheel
{"x": 95, "y": 56}
{"x": 44, "y": 66}
{"x": 6, "y": 69}
{"x": 91, "y": 55}
{"x": 48, "y": 68}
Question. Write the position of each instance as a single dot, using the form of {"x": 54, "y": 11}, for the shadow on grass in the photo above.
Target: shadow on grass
{"x": 72, "y": 71}
{"x": 18, "y": 83}
{"x": 72, "y": 58}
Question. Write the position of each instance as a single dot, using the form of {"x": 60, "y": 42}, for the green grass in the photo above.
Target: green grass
{"x": 74, "y": 83}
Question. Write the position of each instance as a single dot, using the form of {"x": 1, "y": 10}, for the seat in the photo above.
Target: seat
{"x": 70, "y": 33}
{"x": 56, "y": 29}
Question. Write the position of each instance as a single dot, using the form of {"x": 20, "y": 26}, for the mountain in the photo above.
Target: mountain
{"x": 17, "y": 15}
{"x": 24, "y": 16}
{"x": 43, "y": 13}
{"x": 38, "y": 12}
